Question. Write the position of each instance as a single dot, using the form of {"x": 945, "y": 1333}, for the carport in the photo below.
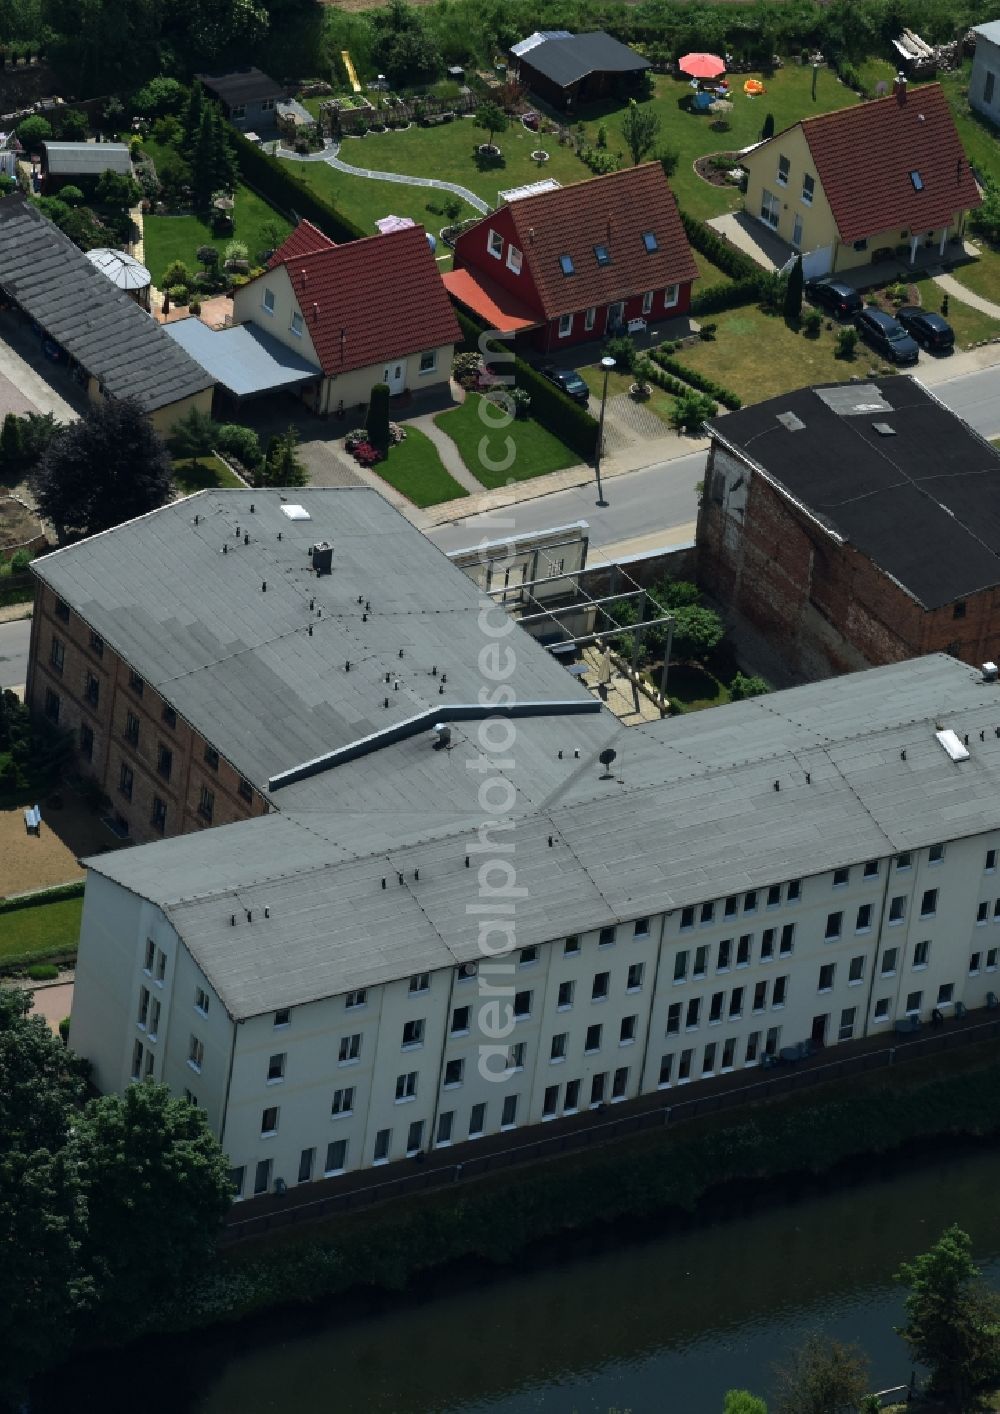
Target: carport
{"x": 243, "y": 360}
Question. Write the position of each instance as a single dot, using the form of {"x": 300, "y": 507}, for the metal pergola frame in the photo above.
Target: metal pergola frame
{"x": 638, "y": 630}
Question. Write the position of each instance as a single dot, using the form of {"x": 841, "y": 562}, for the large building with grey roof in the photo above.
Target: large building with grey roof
{"x": 112, "y": 345}
{"x": 854, "y": 525}
{"x": 470, "y": 899}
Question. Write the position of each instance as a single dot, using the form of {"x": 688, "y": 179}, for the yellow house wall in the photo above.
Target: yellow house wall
{"x": 847, "y": 258}
{"x": 353, "y": 389}
{"x": 248, "y": 306}
{"x": 164, "y": 418}
{"x": 818, "y": 225}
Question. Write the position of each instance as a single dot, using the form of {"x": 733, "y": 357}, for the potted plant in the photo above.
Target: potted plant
{"x": 640, "y": 390}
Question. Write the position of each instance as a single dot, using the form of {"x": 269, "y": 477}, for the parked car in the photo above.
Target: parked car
{"x": 887, "y": 336}
{"x": 569, "y": 381}
{"x": 930, "y": 330}
{"x": 840, "y": 299}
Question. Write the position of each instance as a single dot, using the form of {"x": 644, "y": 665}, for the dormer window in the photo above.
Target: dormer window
{"x": 603, "y": 254}
{"x": 649, "y": 241}
{"x": 566, "y": 265}
{"x": 917, "y": 180}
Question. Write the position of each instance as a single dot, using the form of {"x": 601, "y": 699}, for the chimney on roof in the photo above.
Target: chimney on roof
{"x": 899, "y": 88}
{"x": 302, "y": 276}
{"x": 315, "y": 311}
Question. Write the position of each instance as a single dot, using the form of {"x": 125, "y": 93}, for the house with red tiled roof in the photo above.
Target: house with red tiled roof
{"x": 863, "y": 183}
{"x": 366, "y": 312}
{"x": 575, "y": 263}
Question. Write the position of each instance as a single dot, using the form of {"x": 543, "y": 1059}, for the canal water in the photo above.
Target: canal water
{"x": 655, "y": 1324}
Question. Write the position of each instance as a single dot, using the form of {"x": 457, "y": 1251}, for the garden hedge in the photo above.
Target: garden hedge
{"x": 43, "y": 896}
{"x": 719, "y": 391}
{"x": 280, "y": 184}
{"x": 727, "y": 296}
{"x": 667, "y": 1169}
{"x": 718, "y": 250}
{"x": 556, "y": 412}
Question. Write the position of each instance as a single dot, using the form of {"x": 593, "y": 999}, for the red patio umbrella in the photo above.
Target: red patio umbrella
{"x": 702, "y": 66}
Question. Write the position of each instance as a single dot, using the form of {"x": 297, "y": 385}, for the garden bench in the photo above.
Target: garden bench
{"x": 33, "y": 820}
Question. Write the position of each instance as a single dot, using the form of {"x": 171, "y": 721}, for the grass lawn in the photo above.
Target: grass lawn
{"x": 708, "y": 274}
{"x": 659, "y": 402}
{"x": 970, "y": 325}
{"x": 415, "y": 468}
{"x": 367, "y": 201}
{"x": 982, "y": 276}
{"x": 447, "y": 153}
{"x": 537, "y": 452}
{"x": 758, "y": 356}
{"x": 692, "y": 687}
{"x": 203, "y": 474}
{"x": 45, "y": 929}
{"x": 169, "y": 238}
{"x": 788, "y": 98}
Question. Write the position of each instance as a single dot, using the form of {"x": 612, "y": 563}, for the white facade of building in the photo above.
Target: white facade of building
{"x": 984, "y": 84}
{"x": 349, "y": 1081}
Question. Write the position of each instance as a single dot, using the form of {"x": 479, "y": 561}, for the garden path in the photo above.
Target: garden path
{"x": 954, "y": 290}
{"x": 330, "y": 155}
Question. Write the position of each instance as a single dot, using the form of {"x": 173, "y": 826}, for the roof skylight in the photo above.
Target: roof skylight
{"x": 566, "y": 264}
{"x": 649, "y": 241}
{"x": 603, "y": 254}
{"x": 917, "y": 180}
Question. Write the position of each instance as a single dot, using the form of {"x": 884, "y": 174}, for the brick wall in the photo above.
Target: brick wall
{"x": 118, "y": 720}
{"x": 823, "y": 605}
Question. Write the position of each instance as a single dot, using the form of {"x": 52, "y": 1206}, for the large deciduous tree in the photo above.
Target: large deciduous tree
{"x": 952, "y": 1320}
{"x": 109, "y": 467}
{"x": 821, "y": 1377}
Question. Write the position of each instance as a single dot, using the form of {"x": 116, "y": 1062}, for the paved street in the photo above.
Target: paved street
{"x": 654, "y": 505}
{"x": 657, "y": 505}
{"x": 14, "y": 638}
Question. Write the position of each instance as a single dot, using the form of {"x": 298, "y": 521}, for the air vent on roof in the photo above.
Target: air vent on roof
{"x": 953, "y": 745}
{"x": 322, "y": 557}
{"x": 989, "y": 672}
{"x": 790, "y": 422}
{"x": 296, "y": 513}
{"x": 883, "y": 429}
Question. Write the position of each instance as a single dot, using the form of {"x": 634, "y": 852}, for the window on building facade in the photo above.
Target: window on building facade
{"x": 196, "y": 1052}
{"x": 406, "y": 1086}
{"x": 445, "y": 1127}
{"x": 135, "y": 683}
{"x": 856, "y": 970}
{"x": 283, "y": 1016}
{"x": 557, "y": 1050}
{"x": 125, "y": 780}
{"x": 601, "y": 984}
{"x": 413, "y": 1033}
{"x": 633, "y": 981}
{"x": 131, "y": 729}
{"x": 86, "y": 741}
{"x": 383, "y": 1146}
{"x": 564, "y": 997}
{"x": 592, "y": 1040}
{"x": 164, "y": 761}
{"x": 571, "y": 946}
{"x": 477, "y": 1120}
{"x": 201, "y": 1000}
{"x": 206, "y": 804}
{"x": 211, "y": 757}
{"x": 508, "y": 1115}
{"x": 780, "y": 992}
{"x": 921, "y": 953}
{"x": 343, "y": 1102}
{"x": 92, "y": 690}
{"x": 454, "y": 1072}
{"x": 834, "y": 922}
{"x": 57, "y": 655}
{"x": 349, "y": 1049}
{"x": 276, "y": 1068}
{"x": 158, "y": 815}
{"x": 336, "y": 1156}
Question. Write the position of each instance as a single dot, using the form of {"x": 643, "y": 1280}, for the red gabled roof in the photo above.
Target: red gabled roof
{"x": 864, "y": 156}
{"x": 613, "y": 211}
{"x": 372, "y": 299}
{"x": 306, "y": 239}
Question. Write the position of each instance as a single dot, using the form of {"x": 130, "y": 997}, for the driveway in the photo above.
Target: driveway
{"x": 753, "y": 238}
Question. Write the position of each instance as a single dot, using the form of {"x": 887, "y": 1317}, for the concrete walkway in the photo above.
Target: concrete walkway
{"x": 448, "y": 452}
{"x": 955, "y": 290}
{"x": 330, "y": 156}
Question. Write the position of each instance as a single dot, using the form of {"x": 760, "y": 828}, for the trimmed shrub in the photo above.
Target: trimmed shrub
{"x": 377, "y": 421}
{"x": 41, "y": 897}
{"x": 550, "y": 407}
{"x": 730, "y": 296}
{"x": 43, "y": 972}
{"x": 847, "y": 342}
{"x": 812, "y": 323}
{"x": 691, "y": 410}
{"x": 718, "y": 250}
{"x": 240, "y": 443}
{"x": 176, "y": 273}
{"x": 64, "y": 1030}
{"x": 724, "y": 395}
{"x": 622, "y": 349}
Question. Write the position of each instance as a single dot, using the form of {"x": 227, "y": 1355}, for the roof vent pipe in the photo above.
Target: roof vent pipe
{"x": 989, "y": 672}
{"x": 899, "y": 88}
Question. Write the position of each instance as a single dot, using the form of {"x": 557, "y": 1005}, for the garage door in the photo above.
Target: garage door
{"x": 816, "y": 263}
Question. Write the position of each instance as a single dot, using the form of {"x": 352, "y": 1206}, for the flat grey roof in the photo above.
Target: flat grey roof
{"x": 262, "y": 674}
{"x": 690, "y": 813}
{"x": 888, "y": 468}
{"x": 245, "y": 359}
{"x": 118, "y": 343}
{"x": 86, "y": 159}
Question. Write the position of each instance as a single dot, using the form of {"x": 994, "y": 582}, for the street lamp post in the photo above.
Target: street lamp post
{"x": 607, "y": 363}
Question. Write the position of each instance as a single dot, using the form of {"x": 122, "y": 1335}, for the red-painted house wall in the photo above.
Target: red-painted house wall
{"x": 548, "y": 339}
{"x": 472, "y": 252}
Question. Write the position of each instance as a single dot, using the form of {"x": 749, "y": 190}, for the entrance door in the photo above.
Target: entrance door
{"x": 616, "y": 313}
{"x": 395, "y": 375}
{"x": 819, "y": 1030}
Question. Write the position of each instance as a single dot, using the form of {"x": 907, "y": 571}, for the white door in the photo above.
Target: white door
{"x": 395, "y": 376}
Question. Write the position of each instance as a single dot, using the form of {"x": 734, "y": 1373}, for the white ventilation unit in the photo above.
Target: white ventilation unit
{"x": 953, "y": 745}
